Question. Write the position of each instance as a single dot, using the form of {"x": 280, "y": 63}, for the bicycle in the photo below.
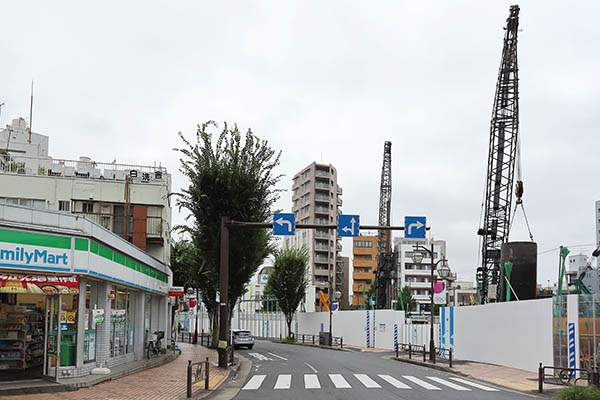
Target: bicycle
{"x": 155, "y": 344}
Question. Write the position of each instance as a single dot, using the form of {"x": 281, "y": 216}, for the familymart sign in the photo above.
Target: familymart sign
{"x": 30, "y": 255}
{"x": 31, "y": 250}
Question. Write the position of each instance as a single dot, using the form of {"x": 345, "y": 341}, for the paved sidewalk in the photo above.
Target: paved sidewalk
{"x": 161, "y": 383}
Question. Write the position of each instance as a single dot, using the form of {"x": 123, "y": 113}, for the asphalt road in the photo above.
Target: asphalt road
{"x": 281, "y": 371}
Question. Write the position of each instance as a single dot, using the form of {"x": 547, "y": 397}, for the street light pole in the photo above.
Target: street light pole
{"x": 431, "y": 343}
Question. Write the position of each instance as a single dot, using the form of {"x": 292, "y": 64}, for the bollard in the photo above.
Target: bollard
{"x": 302, "y": 339}
{"x": 313, "y": 339}
{"x": 396, "y": 350}
{"x": 207, "y": 374}
{"x": 541, "y": 379}
{"x": 341, "y": 342}
{"x": 424, "y": 353}
{"x": 595, "y": 378}
{"x": 189, "y": 379}
{"x": 409, "y": 351}
{"x": 450, "y": 357}
{"x": 434, "y": 354}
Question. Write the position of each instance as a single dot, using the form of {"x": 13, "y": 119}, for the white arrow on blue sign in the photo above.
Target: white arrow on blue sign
{"x": 348, "y": 225}
{"x": 415, "y": 227}
{"x": 284, "y": 224}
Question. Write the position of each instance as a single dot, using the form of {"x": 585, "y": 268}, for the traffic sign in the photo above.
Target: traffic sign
{"x": 414, "y": 227}
{"x": 284, "y": 224}
{"x": 348, "y": 225}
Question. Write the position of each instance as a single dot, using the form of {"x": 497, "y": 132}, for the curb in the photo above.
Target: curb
{"x": 312, "y": 345}
{"x": 432, "y": 366}
{"x": 230, "y": 386}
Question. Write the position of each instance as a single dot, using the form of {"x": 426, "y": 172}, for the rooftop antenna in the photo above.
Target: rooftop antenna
{"x": 31, "y": 112}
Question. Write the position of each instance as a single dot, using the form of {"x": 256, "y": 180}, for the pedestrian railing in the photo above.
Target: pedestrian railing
{"x": 565, "y": 376}
{"x": 185, "y": 337}
{"x": 314, "y": 339}
{"x": 410, "y": 349}
{"x": 197, "y": 372}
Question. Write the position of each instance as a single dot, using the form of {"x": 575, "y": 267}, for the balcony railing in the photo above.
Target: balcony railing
{"x": 82, "y": 169}
{"x": 116, "y": 223}
{"x": 322, "y": 210}
{"x": 321, "y": 198}
{"x": 319, "y": 185}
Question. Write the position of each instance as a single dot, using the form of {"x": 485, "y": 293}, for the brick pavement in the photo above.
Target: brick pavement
{"x": 160, "y": 383}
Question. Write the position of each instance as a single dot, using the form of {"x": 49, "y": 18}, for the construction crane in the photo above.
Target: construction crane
{"x": 501, "y": 165}
{"x": 385, "y": 256}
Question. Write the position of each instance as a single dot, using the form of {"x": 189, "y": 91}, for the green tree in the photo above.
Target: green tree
{"x": 405, "y": 300}
{"x": 288, "y": 281}
{"x": 185, "y": 264}
{"x": 233, "y": 177}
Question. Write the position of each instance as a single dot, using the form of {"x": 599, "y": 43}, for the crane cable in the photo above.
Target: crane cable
{"x": 519, "y": 189}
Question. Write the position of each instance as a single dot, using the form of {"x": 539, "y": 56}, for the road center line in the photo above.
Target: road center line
{"x": 275, "y": 355}
{"x": 311, "y": 367}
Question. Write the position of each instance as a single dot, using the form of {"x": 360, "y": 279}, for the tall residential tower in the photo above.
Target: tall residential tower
{"x": 317, "y": 200}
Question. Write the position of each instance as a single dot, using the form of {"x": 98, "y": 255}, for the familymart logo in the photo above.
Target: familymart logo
{"x": 33, "y": 256}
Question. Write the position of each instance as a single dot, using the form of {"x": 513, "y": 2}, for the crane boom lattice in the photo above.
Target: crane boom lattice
{"x": 501, "y": 164}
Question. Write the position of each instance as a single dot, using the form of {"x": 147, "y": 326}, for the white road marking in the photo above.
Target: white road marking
{"x": 449, "y": 384}
{"x": 311, "y": 367}
{"x": 368, "y": 382}
{"x": 311, "y": 381}
{"x": 284, "y": 381}
{"x": 254, "y": 382}
{"x": 476, "y": 385}
{"x": 260, "y": 357}
{"x": 339, "y": 382}
{"x": 275, "y": 355}
{"x": 394, "y": 382}
{"x": 421, "y": 383}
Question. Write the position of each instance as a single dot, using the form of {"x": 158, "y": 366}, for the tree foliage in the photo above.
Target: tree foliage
{"x": 406, "y": 299}
{"x": 288, "y": 281}
{"x": 230, "y": 177}
{"x": 185, "y": 264}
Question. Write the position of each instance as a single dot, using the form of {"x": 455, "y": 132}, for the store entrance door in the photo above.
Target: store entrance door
{"x": 52, "y": 337}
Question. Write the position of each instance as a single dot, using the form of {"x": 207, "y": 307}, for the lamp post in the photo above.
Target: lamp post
{"x": 444, "y": 272}
{"x": 334, "y": 296}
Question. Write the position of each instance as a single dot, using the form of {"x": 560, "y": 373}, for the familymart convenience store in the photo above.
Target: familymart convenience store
{"x": 75, "y": 295}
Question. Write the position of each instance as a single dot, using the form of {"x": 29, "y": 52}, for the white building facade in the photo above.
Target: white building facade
{"x": 417, "y": 276}
{"x": 84, "y": 258}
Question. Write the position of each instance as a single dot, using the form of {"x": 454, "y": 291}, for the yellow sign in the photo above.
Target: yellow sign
{"x": 222, "y": 344}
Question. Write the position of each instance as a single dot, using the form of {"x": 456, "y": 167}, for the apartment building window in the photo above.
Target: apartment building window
{"x": 362, "y": 243}
{"x": 64, "y": 205}
{"x": 87, "y": 207}
{"x": 39, "y": 204}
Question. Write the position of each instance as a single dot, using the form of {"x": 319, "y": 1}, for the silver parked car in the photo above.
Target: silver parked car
{"x": 242, "y": 338}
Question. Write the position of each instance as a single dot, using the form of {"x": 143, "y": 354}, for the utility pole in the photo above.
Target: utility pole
{"x": 224, "y": 293}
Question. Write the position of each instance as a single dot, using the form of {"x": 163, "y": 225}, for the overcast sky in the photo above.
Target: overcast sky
{"x": 328, "y": 81}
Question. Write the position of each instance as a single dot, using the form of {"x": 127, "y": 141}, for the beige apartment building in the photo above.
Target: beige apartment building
{"x": 317, "y": 199}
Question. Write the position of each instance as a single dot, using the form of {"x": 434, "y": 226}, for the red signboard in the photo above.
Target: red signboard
{"x": 176, "y": 291}
{"x": 192, "y": 303}
{"x": 39, "y": 284}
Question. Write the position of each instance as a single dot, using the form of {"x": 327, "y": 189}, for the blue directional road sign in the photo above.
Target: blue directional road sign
{"x": 414, "y": 227}
{"x": 348, "y": 225}
{"x": 284, "y": 224}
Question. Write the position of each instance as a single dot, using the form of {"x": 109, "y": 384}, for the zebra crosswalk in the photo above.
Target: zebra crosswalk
{"x": 339, "y": 381}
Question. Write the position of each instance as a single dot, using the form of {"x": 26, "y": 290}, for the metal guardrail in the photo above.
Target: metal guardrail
{"x": 410, "y": 349}
{"x": 188, "y": 337}
{"x": 314, "y": 339}
{"x": 565, "y": 375}
{"x": 195, "y": 373}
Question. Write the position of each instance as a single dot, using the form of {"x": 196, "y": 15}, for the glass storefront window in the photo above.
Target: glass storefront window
{"x": 147, "y": 318}
{"x": 89, "y": 340}
{"x": 122, "y": 321}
